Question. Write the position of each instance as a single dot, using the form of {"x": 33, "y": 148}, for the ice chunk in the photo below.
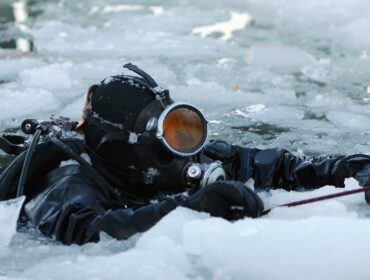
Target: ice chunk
{"x": 278, "y": 57}
{"x": 21, "y": 103}
{"x": 238, "y": 21}
{"x": 346, "y": 23}
{"x": 187, "y": 244}
{"x": 52, "y": 76}
{"x": 10, "y": 68}
{"x": 349, "y": 120}
{"x": 9, "y": 212}
{"x": 354, "y": 34}
{"x": 119, "y": 42}
{"x": 74, "y": 110}
{"x": 276, "y": 115}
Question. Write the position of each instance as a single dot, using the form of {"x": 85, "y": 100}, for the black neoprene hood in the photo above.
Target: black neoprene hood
{"x": 120, "y": 99}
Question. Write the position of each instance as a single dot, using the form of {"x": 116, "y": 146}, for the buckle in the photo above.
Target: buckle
{"x": 132, "y": 138}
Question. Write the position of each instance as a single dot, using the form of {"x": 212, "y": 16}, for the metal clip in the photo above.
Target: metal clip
{"x": 133, "y": 138}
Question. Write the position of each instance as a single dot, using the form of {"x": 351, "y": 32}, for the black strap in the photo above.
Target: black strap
{"x": 101, "y": 123}
{"x": 114, "y": 136}
{"x": 11, "y": 144}
{"x": 142, "y": 73}
{"x": 99, "y": 178}
{"x": 142, "y": 139}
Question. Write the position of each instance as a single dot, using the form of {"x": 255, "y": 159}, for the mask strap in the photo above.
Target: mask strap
{"x": 162, "y": 95}
{"x": 125, "y": 136}
{"x": 143, "y": 74}
{"x": 101, "y": 123}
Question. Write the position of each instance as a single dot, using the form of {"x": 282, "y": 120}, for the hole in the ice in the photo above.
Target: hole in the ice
{"x": 314, "y": 116}
{"x": 302, "y": 78}
{"x": 268, "y": 131}
{"x": 21, "y": 44}
{"x": 3, "y": 82}
{"x": 299, "y": 93}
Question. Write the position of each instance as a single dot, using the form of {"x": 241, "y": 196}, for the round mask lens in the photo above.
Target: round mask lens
{"x": 184, "y": 129}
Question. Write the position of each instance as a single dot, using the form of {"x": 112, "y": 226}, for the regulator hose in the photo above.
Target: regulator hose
{"x": 27, "y": 162}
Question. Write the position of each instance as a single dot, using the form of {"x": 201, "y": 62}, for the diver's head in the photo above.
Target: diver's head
{"x": 132, "y": 124}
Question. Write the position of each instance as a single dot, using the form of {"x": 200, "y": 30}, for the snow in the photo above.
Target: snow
{"x": 292, "y": 74}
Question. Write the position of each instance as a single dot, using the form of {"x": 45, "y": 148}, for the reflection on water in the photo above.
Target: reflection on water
{"x": 21, "y": 16}
{"x": 14, "y": 32}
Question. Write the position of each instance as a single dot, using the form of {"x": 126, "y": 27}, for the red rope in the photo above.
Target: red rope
{"x": 319, "y": 198}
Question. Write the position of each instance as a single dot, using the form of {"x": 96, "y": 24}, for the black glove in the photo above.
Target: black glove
{"x": 228, "y": 200}
{"x": 220, "y": 150}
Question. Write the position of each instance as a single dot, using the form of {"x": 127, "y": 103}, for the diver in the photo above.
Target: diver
{"x": 140, "y": 156}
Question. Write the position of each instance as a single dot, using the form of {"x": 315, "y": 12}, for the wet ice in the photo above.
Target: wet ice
{"x": 9, "y": 211}
{"x": 296, "y": 76}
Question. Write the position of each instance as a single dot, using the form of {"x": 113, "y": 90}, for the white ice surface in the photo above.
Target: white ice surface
{"x": 279, "y": 57}
{"x": 325, "y": 240}
{"x": 9, "y": 211}
{"x": 293, "y": 74}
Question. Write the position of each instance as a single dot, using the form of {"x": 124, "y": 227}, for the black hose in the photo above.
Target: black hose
{"x": 27, "y": 162}
{"x": 84, "y": 163}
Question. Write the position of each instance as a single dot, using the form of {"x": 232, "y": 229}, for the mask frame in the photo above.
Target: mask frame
{"x": 160, "y": 128}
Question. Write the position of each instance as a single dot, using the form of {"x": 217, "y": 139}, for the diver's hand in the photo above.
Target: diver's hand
{"x": 228, "y": 200}
{"x": 220, "y": 150}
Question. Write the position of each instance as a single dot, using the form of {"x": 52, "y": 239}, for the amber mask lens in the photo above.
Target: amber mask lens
{"x": 184, "y": 129}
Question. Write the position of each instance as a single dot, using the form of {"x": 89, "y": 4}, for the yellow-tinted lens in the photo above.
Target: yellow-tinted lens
{"x": 184, "y": 129}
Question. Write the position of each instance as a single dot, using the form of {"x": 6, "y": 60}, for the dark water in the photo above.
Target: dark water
{"x": 15, "y": 16}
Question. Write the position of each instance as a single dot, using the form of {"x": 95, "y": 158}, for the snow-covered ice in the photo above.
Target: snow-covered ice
{"x": 293, "y": 74}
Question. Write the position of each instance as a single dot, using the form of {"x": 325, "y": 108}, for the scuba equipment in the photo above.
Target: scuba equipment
{"x": 133, "y": 132}
{"x": 37, "y": 128}
{"x": 12, "y": 144}
{"x": 203, "y": 174}
{"x": 180, "y": 127}
{"x": 27, "y": 162}
{"x": 30, "y": 126}
{"x": 58, "y": 145}
{"x": 230, "y": 200}
{"x": 138, "y": 133}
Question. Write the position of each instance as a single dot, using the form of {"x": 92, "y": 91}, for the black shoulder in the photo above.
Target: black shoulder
{"x": 46, "y": 157}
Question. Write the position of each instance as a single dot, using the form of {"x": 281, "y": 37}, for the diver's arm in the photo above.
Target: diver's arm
{"x": 81, "y": 223}
{"x": 72, "y": 211}
{"x": 279, "y": 168}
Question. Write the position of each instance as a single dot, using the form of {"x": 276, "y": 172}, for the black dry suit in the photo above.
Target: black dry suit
{"x": 69, "y": 202}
